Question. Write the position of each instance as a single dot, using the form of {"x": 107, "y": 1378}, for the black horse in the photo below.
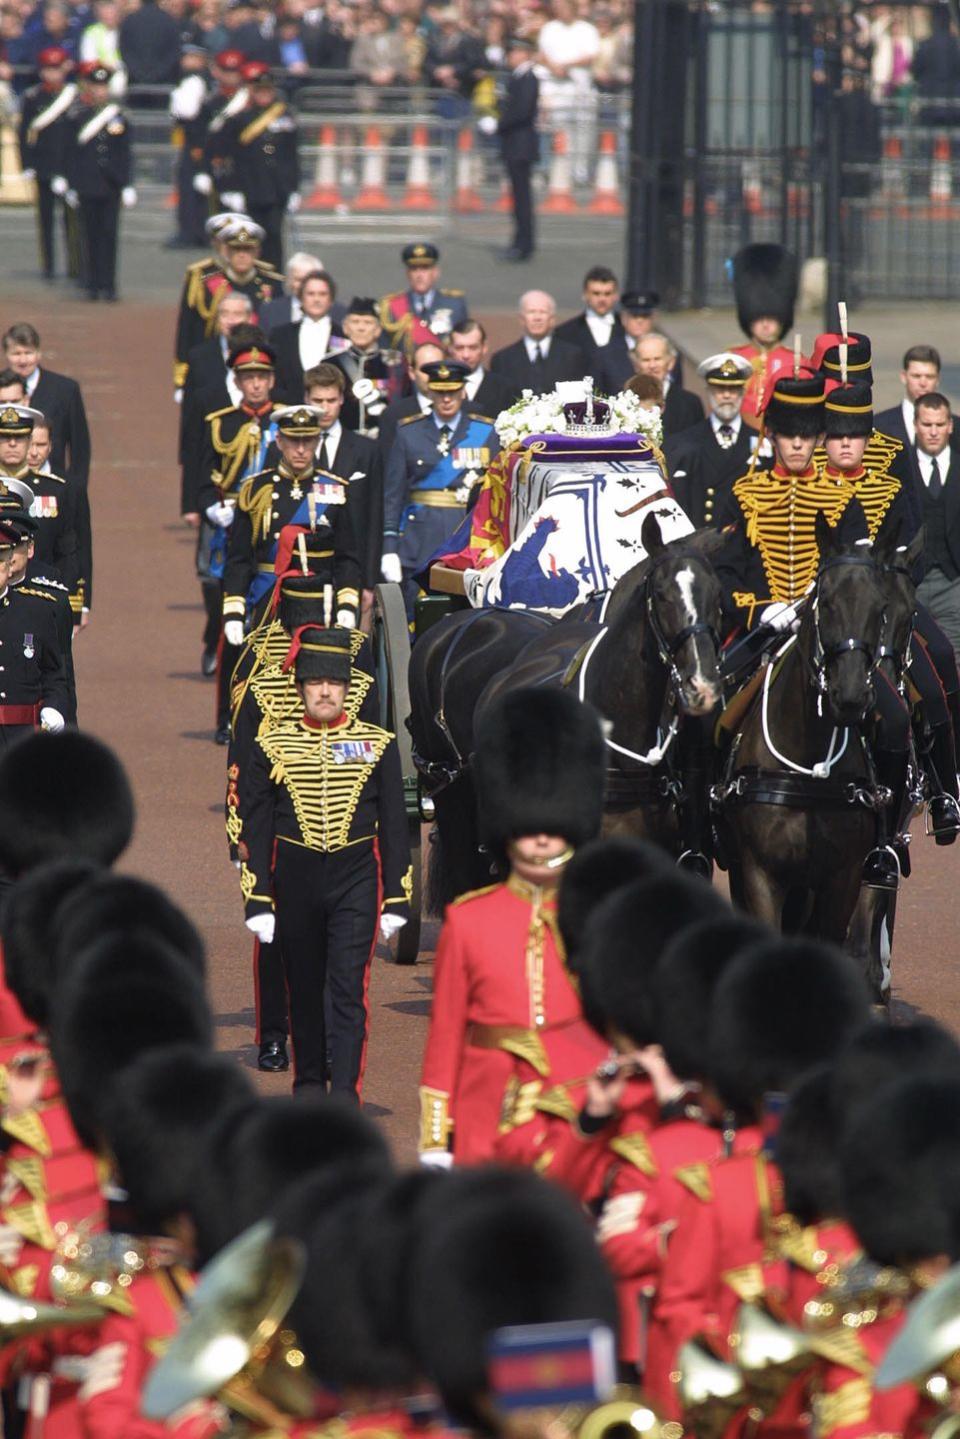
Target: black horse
{"x": 799, "y": 797}
{"x": 647, "y": 661}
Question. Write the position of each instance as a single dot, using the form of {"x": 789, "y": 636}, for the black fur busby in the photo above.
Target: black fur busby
{"x": 62, "y": 796}
{"x": 123, "y": 996}
{"x": 827, "y": 357}
{"x": 301, "y": 602}
{"x": 350, "y": 1316}
{"x": 780, "y": 1008}
{"x": 795, "y": 406}
{"x": 124, "y": 902}
{"x": 882, "y": 1054}
{"x": 498, "y": 1248}
{"x": 848, "y": 411}
{"x": 687, "y": 974}
{"x": 808, "y": 1150}
{"x": 31, "y": 929}
{"x": 593, "y": 873}
{"x": 539, "y": 768}
{"x": 156, "y": 1127}
{"x": 627, "y": 935}
{"x": 901, "y": 1172}
{"x": 765, "y": 282}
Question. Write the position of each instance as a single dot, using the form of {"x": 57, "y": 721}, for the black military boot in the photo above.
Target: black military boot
{"x": 881, "y": 868}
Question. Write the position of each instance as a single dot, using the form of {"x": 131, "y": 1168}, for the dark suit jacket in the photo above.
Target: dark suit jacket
{"x": 495, "y": 394}
{"x": 681, "y": 410}
{"x": 286, "y": 342}
{"x": 60, "y": 400}
{"x": 278, "y": 312}
{"x": 208, "y": 370}
{"x": 517, "y": 125}
{"x": 564, "y": 362}
{"x": 614, "y": 354}
{"x": 702, "y": 473}
{"x": 365, "y": 499}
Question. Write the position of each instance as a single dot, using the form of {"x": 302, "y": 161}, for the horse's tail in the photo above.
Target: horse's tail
{"x": 456, "y": 863}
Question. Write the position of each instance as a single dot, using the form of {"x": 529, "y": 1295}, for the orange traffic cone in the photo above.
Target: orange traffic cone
{"x": 559, "y": 199}
{"x": 418, "y": 195}
{"x": 606, "y": 190}
{"x": 325, "y": 194}
{"x": 941, "y": 179}
{"x": 466, "y": 200}
{"x": 372, "y": 194}
{"x": 891, "y": 170}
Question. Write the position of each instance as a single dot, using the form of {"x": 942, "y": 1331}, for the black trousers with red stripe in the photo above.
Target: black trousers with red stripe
{"x": 328, "y": 914}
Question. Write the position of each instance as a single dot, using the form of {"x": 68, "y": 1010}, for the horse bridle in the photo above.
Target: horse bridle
{"x": 822, "y": 654}
{"x": 669, "y": 648}
{"x": 900, "y": 659}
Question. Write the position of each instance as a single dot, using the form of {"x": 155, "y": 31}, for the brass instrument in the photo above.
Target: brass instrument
{"x": 627, "y": 1409}
{"x": 930, "y": 1337}
{"x": 230, "y": 1345}
{"x": 22, "y": 1318}
{"x": 710, "y": 1390}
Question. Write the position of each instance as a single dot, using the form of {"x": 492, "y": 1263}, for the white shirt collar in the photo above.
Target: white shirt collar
{"x": 600, "y": 326}
{"x": 450, "y": 424}
{"x": 425, "y": 403}
{"x": 909, "y": 420}
{"x": 332, "y": 437}
{"x": 474, "y": 381}
{"x": 532, "y": 344}
{"x": 925, "y": 462}
{"x": 33, "y": 380}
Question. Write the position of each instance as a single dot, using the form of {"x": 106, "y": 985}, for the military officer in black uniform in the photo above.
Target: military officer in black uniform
{"x": 51, "y": 501}
{"x": 33, "y": 688}
{"x": 187, "y": 101}
{"x": 325, "y": 858}
{"x": 261, "y": 143}
{"x": 42, "y": 134}
{"x": 29, "y": 576}
{"x": 295, "y": 492}
{"x": 374, "y": 375}
{"x": 425, "y": 312}
{"x": 263, "y": 694}
{"x": 97, "y": 176}
{"x": 229, "y": 98}
{"x": 704, "y": 460}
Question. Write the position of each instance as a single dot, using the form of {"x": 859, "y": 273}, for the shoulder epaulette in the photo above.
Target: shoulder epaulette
{"x": 636, "y": 1151}
{"x": 557, "y": 1101}
{"x": 696, "y": 1178}
{"x": 473, "y": 894}
{"x": 484, "y": 419}
{"x": 215, "y": 414}
{"x": 37, "y": 594}
{"x": 60, "y": 479}
{"x": 263, "y": 268}
{"x": 447, "y": 291}
{"x": 207, "y": 262}
{"x": 746, "y": 1281}
{"x": 408, "y": 419}
{"x": 393, "y": 295}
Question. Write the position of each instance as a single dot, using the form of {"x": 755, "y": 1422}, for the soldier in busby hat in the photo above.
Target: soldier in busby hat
{"x": 325, "y": 856}
{"x": 501, "y": 976}
{"x": 765, "y": 285}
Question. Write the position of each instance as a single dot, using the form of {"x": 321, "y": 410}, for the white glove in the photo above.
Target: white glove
{"x": 220, "y": 514}
{"x": 233, "y": 632}
{"x": 264, "y": 926}
{"x": 52, "y": 720}
{"x": 780, "y": 617}
{"x": 347, "y": 619}
{"x": 363, "y": 390}
{"x": 29, "y": 174}
{"x": 620, "y": 1215}
{"x": 128, "y": 197}
{"x": 59, "y": 185}
{"x": 72, "y": 199}
{"x": 11, "y": 1246}
{"x": 391, "y": 924}
{"x": 234, "y": 200}
{"x": 294, "y": 203}
{"x": 203, "y": 184}
{"x": 487, "y": 125}
{"x": 178, "y": 396}
{"x": 436, "y": 1159}
{"x": 391, "y": 569}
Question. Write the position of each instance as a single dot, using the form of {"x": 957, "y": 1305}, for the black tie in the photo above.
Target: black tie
{"x": 935, "y": 483}
{"x": 537, "y": 358}
{"x": 324, "y": 458}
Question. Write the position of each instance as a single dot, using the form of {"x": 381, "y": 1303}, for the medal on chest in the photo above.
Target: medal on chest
{"x": 352, "y": 751}
{"x": 29, "y": 650}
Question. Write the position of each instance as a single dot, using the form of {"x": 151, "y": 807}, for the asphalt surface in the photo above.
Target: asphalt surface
{"x": 138, "y": 663}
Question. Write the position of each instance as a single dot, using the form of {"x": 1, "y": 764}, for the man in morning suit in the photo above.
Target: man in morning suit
{"x": 655, "y": 356}
{"x": 538, "y": 359}
{"x": 59, "y": 399}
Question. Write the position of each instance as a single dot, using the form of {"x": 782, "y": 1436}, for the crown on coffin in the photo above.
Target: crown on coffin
{"x": 588, "y": 416}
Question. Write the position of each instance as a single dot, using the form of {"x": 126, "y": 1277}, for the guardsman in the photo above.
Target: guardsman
{"x": 501, "y": 978}
{"x": 235, "y": 444}
{"x": 374, "y": 376}
{"x": 261, "y": 145}
{"x": 51, "y": 501}
{"x": 325, "y": 858}
{"x": 230, "y": 97}
{"x": 234, "y": 266}
{"x": 98, "y": 177}
{"x": 42, "y": 134}
{"x": 436, "y": 460}
{"x": 765, "y": 288}
{"x": 264, "y": 693}
{"x": 423, "y": 313}
{"x": 704, "y": 460}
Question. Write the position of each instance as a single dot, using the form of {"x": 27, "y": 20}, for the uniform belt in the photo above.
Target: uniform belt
{"x": 268, "y": 567}
{"x": 493, "y": 1036}
{"x": 436, "y": 499}
{"x": 19, "y": 714}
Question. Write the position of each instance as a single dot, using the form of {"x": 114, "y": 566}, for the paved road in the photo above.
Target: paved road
{"x": 140, "y": 687}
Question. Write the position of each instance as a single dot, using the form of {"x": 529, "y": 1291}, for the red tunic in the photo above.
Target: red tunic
{"x": 499, "y": 981}
{"x": 761, "y": 360}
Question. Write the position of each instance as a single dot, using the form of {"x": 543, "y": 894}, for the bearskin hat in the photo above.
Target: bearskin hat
{"x": 62, "y": 796}
{"x": 498, "y": 1248}
{"x": 808, "y": 1150}
{"x": 793, "y": 405}
{"x": 901, "y": 1172}
{"x": 882, "y": 1054}
{"x": 780, "y": 1008}
{"x": 684, "y": 984}
{"x": 31, "y": 929}
{"x": 826, "y": 357}
{"x": 593, "y": 873}
{"x": 124, "y": 902}
{"x": 627, "y": 935}
{"x": 301, "y": 602}
{"x": 765, "y": 282}
{"x": 539, "y": 768}
{"x": 123, "y": 996}
{"x": 156, "y": 1126}
{"x": 848, "y": 411}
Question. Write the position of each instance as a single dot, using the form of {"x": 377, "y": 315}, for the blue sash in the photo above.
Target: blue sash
{"x": 262, "y": 582}
{"x": 446, "y": 473}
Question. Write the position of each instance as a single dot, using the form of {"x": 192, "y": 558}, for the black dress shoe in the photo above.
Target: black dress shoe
{"x": 273, "y": 1056}
{"x": 222, "y": 735}
{"x": 881, "y": 869}
{"x": 515, "y": 257}
{"x": 694, "y": 861}
{"x": 944, "y": 818}
{"x": 208, "y": 662}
